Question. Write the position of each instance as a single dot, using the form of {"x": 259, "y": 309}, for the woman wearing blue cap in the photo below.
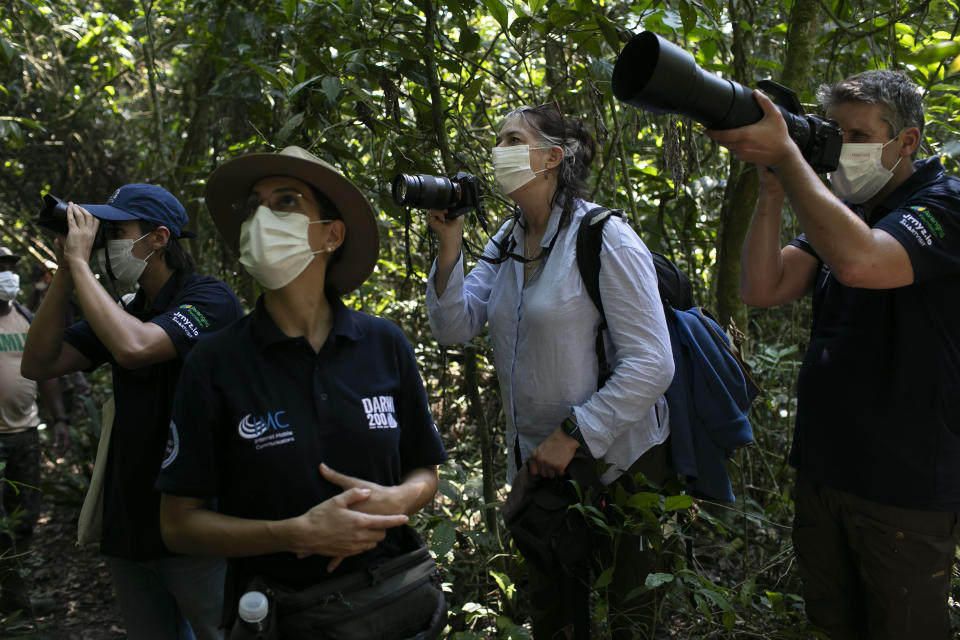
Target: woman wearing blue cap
{"x": 145, "y": 343}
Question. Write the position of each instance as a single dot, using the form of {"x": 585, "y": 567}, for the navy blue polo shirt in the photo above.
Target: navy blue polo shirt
{"x": 188, "y": 307}
{"x": 258, "y": 411}
{"x": 879, "y": 389}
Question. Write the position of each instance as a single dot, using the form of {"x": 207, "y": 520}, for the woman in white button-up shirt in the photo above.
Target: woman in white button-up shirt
{"x": 542, "y": 322}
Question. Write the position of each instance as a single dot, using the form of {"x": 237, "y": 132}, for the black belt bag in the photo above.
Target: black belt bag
{"x": 400, "y": 599}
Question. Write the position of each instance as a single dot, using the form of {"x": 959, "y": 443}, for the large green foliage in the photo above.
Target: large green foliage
{"x": 96, "y": 94}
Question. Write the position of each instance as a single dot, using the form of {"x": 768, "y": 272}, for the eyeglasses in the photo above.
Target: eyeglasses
{"x": 282, "y": 202}
{"x": 549, "y": 106}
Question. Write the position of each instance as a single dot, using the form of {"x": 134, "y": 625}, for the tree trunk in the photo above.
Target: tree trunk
{"x": 739, "y": 199}
{"x": 742, "y": 189}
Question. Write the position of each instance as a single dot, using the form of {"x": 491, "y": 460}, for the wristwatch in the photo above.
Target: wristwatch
{"x": 572, "y": 429}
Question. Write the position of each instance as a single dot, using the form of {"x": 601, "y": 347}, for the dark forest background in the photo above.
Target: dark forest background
{"x": 96, "y": 94}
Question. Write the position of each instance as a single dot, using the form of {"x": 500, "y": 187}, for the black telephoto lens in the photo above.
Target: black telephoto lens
{"x": 658, "y": 76}
{"x": 423, "y": 191}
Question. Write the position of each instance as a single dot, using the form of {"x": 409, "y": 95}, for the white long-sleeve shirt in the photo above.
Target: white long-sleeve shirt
{"x": 544, "y": 337}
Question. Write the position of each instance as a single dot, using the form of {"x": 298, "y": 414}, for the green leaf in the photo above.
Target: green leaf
{"x": 469, "y": 40}
{"x": 688, "y": 15}
{"x": 265, "y": 74}
{"x": 444, "y": 535}
{"x": 289, "y": 8}
{"x": 288, "y": 128}
{"x": 536, "y": 5}
{"x": 655, "y": 580}
{"x": 331, "y": 88}
{"x": 604, "y": 578}
{"x": 506, "y": 585}
{"x": 499, "y": 12}
{"x": 644, "y": 500}
{"x": 520, "y": 26}
{"x": 934, "y": 53}
{"x": 472, "y": 90}
{"x": 729, "y": 618}
{"x": 677, "y": 503}
{"x": 296, "y": 89}
{"x": 450, "y": 490}
{"x": 609, "y": 31}
{"x": 717, "y": 599}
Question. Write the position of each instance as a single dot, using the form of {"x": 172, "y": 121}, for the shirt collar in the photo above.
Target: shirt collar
{"x": 926, "y": 172}
{"x": 553, "y": 226}
{"x": 164, "y": 296}
{"x": 266, "y": 332}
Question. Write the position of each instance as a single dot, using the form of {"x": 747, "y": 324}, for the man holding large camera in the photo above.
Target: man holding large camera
{"x": 145, "y": 343}
{"x": 877, "y": 439}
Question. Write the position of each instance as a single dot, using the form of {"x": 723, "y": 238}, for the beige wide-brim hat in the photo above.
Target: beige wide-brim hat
{"x": 232, "y": 181}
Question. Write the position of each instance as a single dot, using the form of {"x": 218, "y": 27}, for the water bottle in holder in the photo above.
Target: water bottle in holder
{"x": 255, "y": 621}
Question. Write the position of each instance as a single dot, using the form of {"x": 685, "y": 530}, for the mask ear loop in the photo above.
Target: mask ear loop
{"x": 101, "y": 233}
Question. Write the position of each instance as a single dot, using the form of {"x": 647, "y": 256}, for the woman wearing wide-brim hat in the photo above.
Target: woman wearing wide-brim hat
{"x": 305, "y": 423}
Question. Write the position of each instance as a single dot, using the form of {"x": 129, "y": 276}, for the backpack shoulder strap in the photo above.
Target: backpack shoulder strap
{"x": 589, "y": 244}
{"x": 22, "y": 310}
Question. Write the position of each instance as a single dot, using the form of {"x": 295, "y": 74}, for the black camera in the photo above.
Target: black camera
{"x": 658, "y": 76}
{"x": 53, "y": 216}
{"x": 458, "y": 194}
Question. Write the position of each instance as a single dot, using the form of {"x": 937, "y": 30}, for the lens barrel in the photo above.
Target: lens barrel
{"x": 422, "y": 191}
{"x": 53, "y": 216}
{"x": 658, "y": 76}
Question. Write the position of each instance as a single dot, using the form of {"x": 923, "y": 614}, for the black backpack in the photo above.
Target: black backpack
{"x": 701, "y": 351}
{"x": 675, "y": 288}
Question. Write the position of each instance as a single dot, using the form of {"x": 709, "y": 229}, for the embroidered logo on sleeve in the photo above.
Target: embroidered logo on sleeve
{"x": 380, "y": 411}
{"x": 173, "y": 446}
{"x": 184, "y": 323}
{"x": 917, "y": 229}
{"x": 195, "y": 315}
{"x": 929, "y": 221}
{"x": 265, "y": 431}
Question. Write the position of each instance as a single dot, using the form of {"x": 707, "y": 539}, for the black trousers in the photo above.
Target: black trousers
{"x": 20, "y": 483}
{"x": 19, "y": 508}
{"x": 560, "y": 597}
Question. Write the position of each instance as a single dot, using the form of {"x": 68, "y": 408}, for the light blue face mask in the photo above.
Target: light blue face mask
{"x": 9, "y": 285}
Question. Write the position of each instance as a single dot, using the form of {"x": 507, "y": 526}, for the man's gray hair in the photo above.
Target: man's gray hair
{"x": 901, "y": 99}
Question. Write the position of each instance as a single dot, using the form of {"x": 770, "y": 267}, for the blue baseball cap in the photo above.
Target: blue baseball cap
{"x": 144, "y": 202}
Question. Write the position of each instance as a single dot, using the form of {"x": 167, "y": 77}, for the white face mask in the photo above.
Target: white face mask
{"x": 861, "y": 173}
{"x": 511, "y": 167}
{"x": 9, "y": 285}
{"x": 125, "y": 268}
{"x": 275, "y": 248}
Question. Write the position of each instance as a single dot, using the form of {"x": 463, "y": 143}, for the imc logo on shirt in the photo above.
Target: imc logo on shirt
{"x": 252, "y": 426}
{"x": 269, "y": 430}
{"x": 380, "y": 411}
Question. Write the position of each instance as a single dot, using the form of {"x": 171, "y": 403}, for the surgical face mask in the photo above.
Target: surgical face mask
{"x": 124, "y": 269}
{"x": 511, "y": 167}
{"x": 275, "y": 247}
{"x": 9, "y": 285}
{"x": 861, "y": 174}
